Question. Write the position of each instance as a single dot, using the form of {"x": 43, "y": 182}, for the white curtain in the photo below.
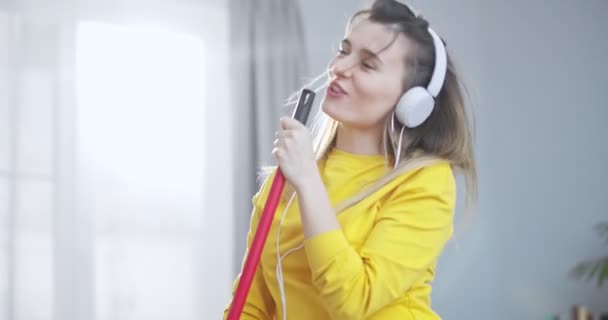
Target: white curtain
{"x": 111, "y": 202}
{"x": 269, "y": 62}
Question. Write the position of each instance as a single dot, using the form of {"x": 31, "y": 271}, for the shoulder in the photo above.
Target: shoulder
{"x": 439, "y": 175}
{"x": 424, "y": 199}
{"x": 435, "y": 180}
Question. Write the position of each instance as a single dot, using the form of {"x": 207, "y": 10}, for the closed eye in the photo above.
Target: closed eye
{"x": 367, "y": 66}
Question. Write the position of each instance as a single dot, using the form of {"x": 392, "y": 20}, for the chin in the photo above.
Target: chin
{"x": 332, "y": 110}
{"x": 346, "y": 117}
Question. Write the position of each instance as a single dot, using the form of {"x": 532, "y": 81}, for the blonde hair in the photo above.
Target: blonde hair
{"x": 447, "y": 135}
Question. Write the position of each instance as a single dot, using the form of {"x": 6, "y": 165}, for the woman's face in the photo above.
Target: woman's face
{"x": 366, "y": 75}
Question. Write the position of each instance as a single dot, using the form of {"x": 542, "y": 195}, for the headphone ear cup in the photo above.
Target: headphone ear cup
{"x": 414, "y": 107}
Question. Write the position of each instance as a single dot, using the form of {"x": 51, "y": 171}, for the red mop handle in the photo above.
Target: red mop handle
{"x": 255, "y": 251}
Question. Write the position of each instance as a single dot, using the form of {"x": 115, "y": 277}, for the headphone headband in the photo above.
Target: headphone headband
{"x": 441, "y": 59}
{"x": 441, "y": 65}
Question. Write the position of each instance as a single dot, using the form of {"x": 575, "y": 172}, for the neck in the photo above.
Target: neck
{"x": 359, "y": 141}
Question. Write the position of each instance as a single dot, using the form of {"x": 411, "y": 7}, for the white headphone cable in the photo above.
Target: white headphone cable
{"x": 279, "y": 269}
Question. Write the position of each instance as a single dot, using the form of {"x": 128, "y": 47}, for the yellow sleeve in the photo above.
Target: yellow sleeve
{"x": 411, "y": 230}
{"x": 259, "y": 304}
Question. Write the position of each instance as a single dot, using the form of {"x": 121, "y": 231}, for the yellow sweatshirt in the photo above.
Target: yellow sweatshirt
{"x": 381, "y": 262}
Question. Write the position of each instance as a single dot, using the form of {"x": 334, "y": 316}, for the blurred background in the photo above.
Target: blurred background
{"x": 131, "y": 132}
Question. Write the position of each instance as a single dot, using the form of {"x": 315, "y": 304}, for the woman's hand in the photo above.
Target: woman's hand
{"x": 293, "y": 152}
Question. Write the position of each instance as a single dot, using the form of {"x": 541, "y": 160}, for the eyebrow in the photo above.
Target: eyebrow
{"x": 365, "y": 51}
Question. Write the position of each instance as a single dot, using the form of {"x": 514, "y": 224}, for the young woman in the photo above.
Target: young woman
{"x": 372, "y": 191}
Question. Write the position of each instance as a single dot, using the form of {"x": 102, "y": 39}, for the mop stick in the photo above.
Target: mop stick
{"x": 253, "y": 257}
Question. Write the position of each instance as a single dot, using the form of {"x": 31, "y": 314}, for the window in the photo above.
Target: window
{"x": 141, "y": 99}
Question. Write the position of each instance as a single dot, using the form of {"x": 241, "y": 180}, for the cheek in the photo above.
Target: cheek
{"x": 372, "y": 99}
{"x": 377, "y": 97}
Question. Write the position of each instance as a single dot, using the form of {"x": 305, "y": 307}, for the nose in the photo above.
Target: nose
{"x": 341, "y": 67}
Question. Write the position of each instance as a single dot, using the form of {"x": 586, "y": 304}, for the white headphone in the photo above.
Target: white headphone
{"x": 417, "y": 103}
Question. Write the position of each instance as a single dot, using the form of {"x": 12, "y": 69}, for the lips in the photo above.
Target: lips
{"x": 336, "y": 90}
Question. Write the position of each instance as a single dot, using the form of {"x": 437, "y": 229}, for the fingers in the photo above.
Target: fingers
{"x": 285, "y": 134}
{"x": 288, "y": 132}
{"x": 283, "y": 142}
{"x": 288, "y": 123}
{"x": 275, "y": 152}
{"x": 278, "y": 154}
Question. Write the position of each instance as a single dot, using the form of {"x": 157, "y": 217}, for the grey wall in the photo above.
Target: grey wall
{"x": 536, "y": 71}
